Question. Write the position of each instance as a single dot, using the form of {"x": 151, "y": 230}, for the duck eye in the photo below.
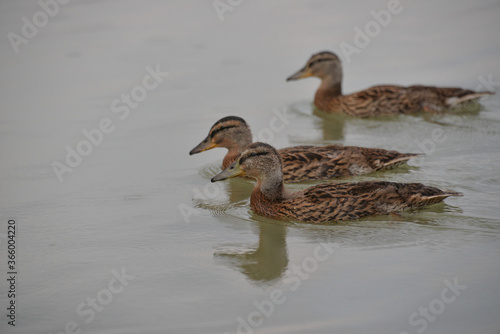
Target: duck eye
{"x": 253, "y": 154}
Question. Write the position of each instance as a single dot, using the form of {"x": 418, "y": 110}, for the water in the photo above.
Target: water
{"x": 195, "y": 258}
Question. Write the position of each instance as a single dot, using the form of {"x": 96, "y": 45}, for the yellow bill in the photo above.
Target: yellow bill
{"x": 205, "y": 145}
{"x": 232, "y": 171}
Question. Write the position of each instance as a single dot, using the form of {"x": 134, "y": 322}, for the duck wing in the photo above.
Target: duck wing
{"x": 391, "y": 99}
{"x": 302, "y": 163}
{"x": 335, "y": 202}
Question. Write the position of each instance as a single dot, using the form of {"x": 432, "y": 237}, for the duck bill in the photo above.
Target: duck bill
{"x": 302, "y": 73}
{"x": 232, "y": 171}
{"x": 205, "y": 145}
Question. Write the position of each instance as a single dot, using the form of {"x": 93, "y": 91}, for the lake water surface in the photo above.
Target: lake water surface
{"x": 135, "y": 238}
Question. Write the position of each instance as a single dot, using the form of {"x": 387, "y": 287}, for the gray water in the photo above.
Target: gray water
{"x": 195, "y": 258}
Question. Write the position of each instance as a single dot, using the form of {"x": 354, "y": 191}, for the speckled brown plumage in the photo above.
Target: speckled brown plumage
{"x": 303, "y": 163}
{"x": 324, "y": 202}
{"x": 377, "y": 100}
{"x": 344, "y": 201}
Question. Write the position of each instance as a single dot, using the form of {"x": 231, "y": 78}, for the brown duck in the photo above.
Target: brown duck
{"x": 302, "y": 163}
{"x": 324, "y": 202}
{"x": 377, "y": 100}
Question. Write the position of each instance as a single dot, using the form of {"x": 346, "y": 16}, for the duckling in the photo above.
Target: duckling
{"x": 302, "y": 163}
{"x": 377, "y": 100}
{"x": 325, "y": 202}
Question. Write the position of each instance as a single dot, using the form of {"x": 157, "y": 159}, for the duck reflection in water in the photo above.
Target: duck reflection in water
{"x": 262, "y": 263}
{"x": 267, "y": 261}
{"x": 331, "y": 125}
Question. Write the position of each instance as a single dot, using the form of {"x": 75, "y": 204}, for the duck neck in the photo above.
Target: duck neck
{"x": 272, "y": 187}
{"x": 330, "y": 86}
{"x": 327, "y": 93}
{"x": 235, "y": 147}
{"x": 231, "y": 156}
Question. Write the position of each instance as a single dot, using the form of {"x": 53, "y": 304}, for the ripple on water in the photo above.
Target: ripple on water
{"x": 209, "y": 171}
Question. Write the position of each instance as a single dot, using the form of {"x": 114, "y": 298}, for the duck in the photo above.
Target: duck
{"x": 303, "y": 163}
{"x": 323, "y": 203}
{"x": 378, "y": 100}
